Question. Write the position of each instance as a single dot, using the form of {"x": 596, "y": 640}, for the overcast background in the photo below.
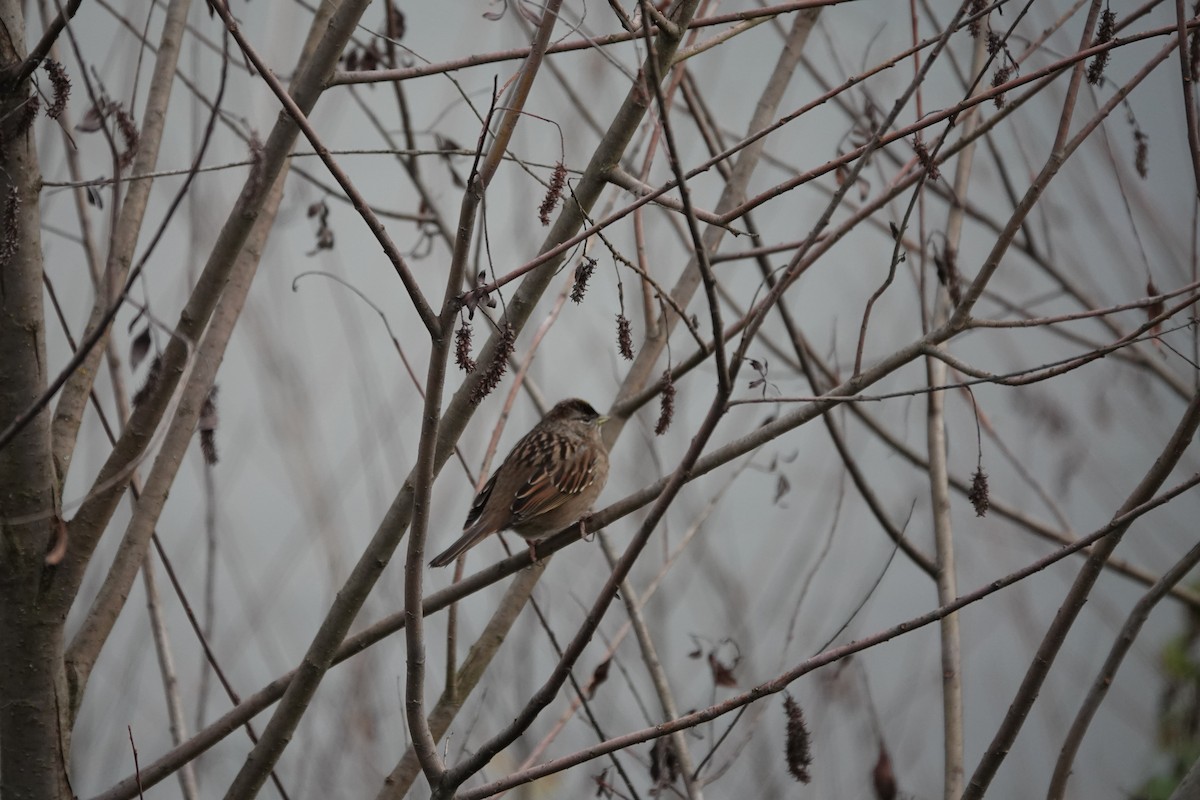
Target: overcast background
{"x": 319, "y": 419}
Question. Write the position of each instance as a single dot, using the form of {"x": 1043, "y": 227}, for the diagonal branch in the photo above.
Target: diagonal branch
{"x": 42, "y": 48}
{"x": 360, "y": 204}
{"x": 93, "y": 515}
{"x": 781, "y": 682}
{"x": 68, "y": 413}
{"x": 1053, "y": 640}
{"x": 1108, "y": 672}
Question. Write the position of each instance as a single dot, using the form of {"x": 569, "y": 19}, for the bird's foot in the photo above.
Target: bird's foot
{"x": 584, "y": 533}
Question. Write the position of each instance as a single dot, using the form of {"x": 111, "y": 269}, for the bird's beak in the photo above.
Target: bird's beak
{"x": 601, "y": 420}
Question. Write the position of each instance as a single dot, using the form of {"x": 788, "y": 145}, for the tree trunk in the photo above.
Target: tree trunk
{"x": 33, "y": 742}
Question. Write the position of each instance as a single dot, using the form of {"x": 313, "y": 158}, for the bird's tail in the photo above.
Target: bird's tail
{"x": 471, "y": 537}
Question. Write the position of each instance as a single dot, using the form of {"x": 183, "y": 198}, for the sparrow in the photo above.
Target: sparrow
{"x": 549, "y": 481}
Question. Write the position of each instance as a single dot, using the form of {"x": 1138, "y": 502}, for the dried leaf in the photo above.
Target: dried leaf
{"x": 324, "y": 233}
{"x": 883, "y": 776}
{"x": 139, "y": 348}
{"x": 722, "y": 673}
{"x": 92, "y": 120}
{"x": 599, "y": 676}
{"x": 324, "y": 239}
{"x": 396, "y": 24}
{"x": 782, "y": 487}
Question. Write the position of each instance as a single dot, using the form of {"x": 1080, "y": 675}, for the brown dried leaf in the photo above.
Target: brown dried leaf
{"x": 396, "y": 24}
{"x": 92, "y": 120}
{"x": 722, "y": 673}
{"x": 599, "y": 676}
{"x": 139, "y": 347}
{"x": 883, "y": 776}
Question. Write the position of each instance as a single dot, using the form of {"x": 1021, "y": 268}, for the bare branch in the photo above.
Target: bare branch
{"x": 1076, "y": 597}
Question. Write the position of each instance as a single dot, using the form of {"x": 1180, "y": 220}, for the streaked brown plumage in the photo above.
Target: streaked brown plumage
{"x": 548, "y": 481}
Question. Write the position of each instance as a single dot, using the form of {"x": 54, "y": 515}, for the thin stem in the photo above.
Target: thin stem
{"x": 939, "y": 480}
{"x": 658, "y": 676}
{"x": 1189, "y": 96}
{"x": 1108, "y": 672}
{"x": 829, "y": 656}
{"x": 408, "y": 73}
{"x": 42, "y": 48}
{"x": 699, "y": 246}
{"x": 127, "y": 226}
{"x": 1053, "y": 640}
{"x": 360, "y": 204}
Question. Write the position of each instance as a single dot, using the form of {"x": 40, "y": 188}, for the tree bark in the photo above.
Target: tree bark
{"x": 33, "y": 742}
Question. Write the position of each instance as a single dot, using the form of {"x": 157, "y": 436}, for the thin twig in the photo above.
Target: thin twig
{"x": 360, "y": 204}
{"x": 829, "y": 656}
{"x": 1053, "y": 640}
{"x": 1122, "y": 642}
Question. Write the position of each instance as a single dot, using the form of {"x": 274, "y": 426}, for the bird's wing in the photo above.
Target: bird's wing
{"x": 555, "y": 480}
{"x": 479, "y": 502}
